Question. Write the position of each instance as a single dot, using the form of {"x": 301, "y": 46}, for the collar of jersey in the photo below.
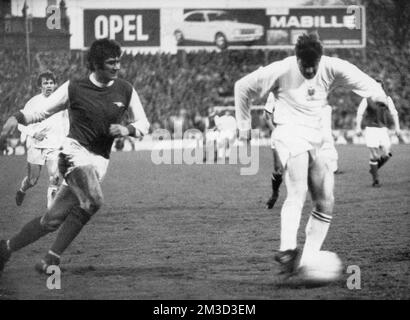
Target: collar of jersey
{"x": 99, "y": 84}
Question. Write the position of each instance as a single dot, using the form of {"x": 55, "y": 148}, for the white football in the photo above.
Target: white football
{"x": 325, "y": 266}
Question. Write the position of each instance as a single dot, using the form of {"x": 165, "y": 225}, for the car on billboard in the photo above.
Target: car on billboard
{"x": 216, "y": 26}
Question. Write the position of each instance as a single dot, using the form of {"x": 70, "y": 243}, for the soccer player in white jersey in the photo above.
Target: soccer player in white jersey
{"x": 96, "y": 105}
{"x": 302, "y": 83}
{"x": 43, "y": 141}
{"x": 376, "y": 133}
{"x": 226, "y": 128}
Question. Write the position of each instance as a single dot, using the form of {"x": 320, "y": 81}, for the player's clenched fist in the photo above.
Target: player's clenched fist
{"x": 119, "y": 130}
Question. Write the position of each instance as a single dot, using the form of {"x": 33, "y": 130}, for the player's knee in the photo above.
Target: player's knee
{"x": 50, "y": 224}
{"x": 325, "y": 204}
{"x": 298, "y": 193}
{"x": 80, "y": 215}
{"x": 374, "y": 153}
{"x": 297, "y": 196}
{"x": 93, "y": 204}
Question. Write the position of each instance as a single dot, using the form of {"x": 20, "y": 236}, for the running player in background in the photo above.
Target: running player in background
{"x": 43, "y": 141}
{"x": 376, "y": 132}
{"x": 96, "y": 105}
{"x": 303, "y": 83}
{"x": 226, "y": 129}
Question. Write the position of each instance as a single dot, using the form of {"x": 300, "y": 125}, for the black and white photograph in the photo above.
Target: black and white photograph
{"x": 204, "y": 155}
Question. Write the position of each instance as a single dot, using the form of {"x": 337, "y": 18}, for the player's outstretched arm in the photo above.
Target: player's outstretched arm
{"x": 54, "y": 103}
{"x": 351, "y": 77}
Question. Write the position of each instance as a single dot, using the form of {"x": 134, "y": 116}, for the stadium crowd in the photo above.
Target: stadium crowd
{"x": 188, "y": 84}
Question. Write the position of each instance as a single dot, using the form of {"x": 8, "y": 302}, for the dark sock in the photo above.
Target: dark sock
{"x": 383, "y": 159}
{"x": 30, "y": 233}
{"x": 69, "y": 230}
{"x": 374, "y": 169}
{"x": 276, "y": 179}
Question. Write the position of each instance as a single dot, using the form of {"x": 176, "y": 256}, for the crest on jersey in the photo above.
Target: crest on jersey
{"x": 311, "y": 91}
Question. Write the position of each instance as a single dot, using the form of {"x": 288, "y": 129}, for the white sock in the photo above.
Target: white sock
{"x": 316, "y": 231}
{"x": 290, "y": 220}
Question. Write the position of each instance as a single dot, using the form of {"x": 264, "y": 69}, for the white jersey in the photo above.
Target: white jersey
{"x": 56, "y": 127}
{"x": 299, "y": 101}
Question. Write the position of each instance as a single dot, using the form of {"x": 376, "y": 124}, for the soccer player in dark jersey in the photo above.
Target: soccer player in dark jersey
{"x": 376, "y": 132}
{"x": 96, "y": 105}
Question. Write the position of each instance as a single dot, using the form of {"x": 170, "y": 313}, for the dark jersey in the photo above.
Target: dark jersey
{"x": 93, "y": 109}
{"x": 376, "y": 115}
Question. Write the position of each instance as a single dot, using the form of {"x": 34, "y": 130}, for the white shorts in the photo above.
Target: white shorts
{"x": 377, "y": 137}
{"x": 291, "y": 140}
{"x": 75, "y": 155}
{"x": 41, "y": 155}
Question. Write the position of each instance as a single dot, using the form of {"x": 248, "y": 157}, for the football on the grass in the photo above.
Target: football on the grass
{"x": 325, "y": 266}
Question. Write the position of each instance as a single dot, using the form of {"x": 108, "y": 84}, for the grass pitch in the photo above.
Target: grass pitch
{"x": 201, "y": 232}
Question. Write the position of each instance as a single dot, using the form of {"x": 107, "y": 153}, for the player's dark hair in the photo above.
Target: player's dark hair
{"x": 48, "y": 75}
{"x": 308, "y": 48}
{"x": 100, "y": 51}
